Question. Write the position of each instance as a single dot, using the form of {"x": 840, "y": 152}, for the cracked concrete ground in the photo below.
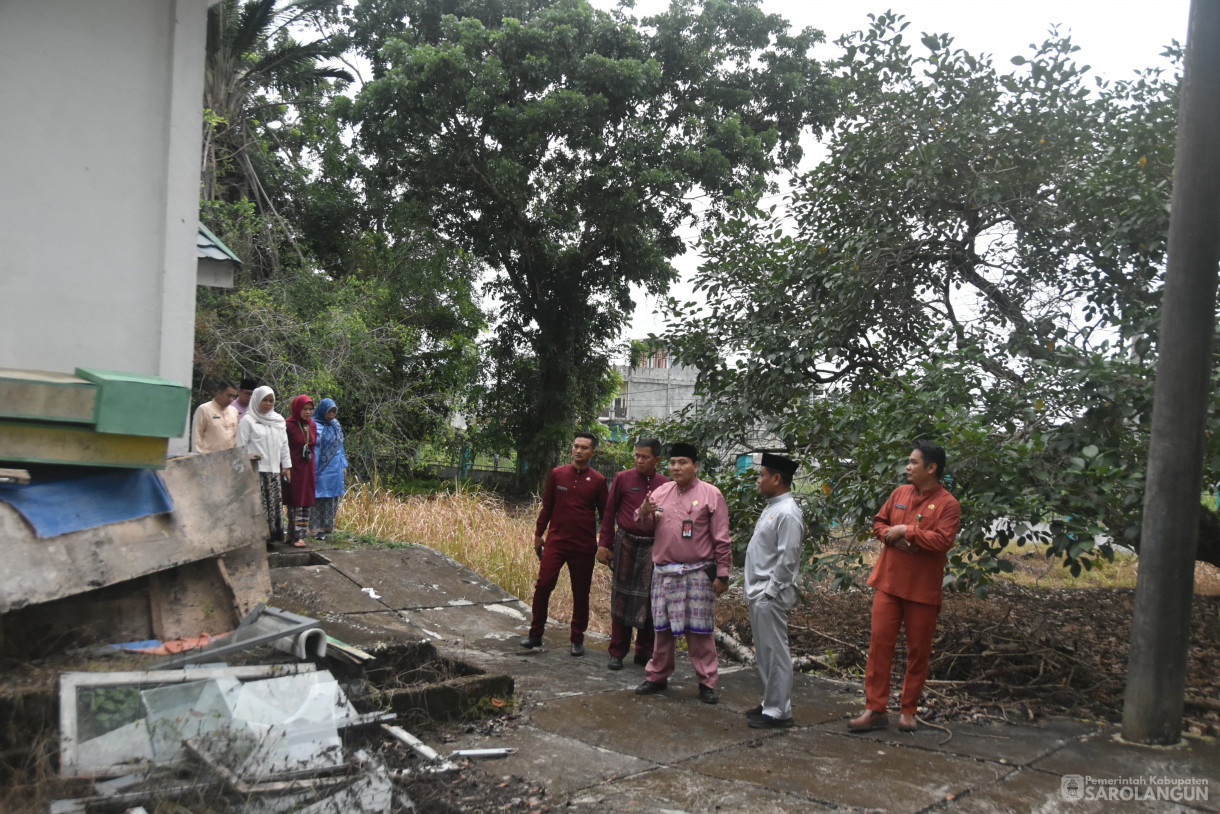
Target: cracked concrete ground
{"x": 596, "y": 746}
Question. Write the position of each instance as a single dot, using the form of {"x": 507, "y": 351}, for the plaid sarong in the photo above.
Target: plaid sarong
{"x": 631, "y": 597}
{"x": 682, "y": 598}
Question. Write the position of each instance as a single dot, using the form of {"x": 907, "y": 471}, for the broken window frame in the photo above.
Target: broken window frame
{"x": 71, "y": 683}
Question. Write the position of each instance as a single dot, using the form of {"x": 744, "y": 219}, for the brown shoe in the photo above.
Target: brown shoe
{"x": 869, "y": 721}
{"x": 907, "y": 723}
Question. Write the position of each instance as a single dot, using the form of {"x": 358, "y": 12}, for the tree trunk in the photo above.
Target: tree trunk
{"x": 552, "y": 423}
{"x": 1160, "y": 627}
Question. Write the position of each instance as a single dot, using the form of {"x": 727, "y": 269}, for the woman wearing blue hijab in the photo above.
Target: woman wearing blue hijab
{"x": 332, "y": 466}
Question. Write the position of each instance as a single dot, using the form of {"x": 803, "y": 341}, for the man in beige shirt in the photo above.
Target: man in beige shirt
{"x": 215, "y": 423}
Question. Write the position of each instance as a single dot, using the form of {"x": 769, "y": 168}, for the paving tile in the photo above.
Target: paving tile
{"x": 680, "y": 790}
{"x": 416, "y": 577}
{"x": 814, "y": 700}
{"x": 473, "y": 624}
{"x": 849, "y": 771}
{"x": 1102, "y": 758}
{"x": 369, "y": 630}
{"x": 321, "y": 586}
{"x": 562, "y": 765}
{"x": 1013, "y": 745}
{"x": 1034, "y": 792}
{"x": 660, "y": 728}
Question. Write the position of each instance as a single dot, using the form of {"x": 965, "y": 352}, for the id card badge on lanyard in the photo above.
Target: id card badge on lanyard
{"x": 688, "y": 525}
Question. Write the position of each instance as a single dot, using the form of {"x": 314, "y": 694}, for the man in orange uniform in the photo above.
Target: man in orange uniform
{"x": 916, "y": 526}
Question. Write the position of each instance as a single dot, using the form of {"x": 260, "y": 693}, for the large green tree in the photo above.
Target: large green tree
{"x": 564, "y": 147}
{"x": 336, "y": 298}
{"x": 977, "y": 260}
{"x": 256, "y": 70}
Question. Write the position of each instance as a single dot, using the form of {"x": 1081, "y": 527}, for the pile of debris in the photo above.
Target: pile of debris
{"x": 250, "y": 738}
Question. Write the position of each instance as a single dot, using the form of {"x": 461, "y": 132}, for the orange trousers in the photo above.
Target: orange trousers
{"x": 889, "y": 614}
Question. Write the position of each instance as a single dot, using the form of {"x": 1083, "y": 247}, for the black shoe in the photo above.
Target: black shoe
{"x": 615, "y": 663}
{"x": 578, "y": 648}
{"x": 754, "y": 711}
{"x": 708, "y": 695}
{"x": 321, "y": 538}
{"x": 651, "y": 687}
{"x": 767, "y": 722}
{"x": 531, "y": 642}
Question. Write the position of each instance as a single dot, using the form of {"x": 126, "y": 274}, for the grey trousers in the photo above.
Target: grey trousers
{"x": 769, "y": 625}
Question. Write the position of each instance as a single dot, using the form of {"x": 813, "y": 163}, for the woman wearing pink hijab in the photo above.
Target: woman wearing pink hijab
{"x": 302, "y": 447}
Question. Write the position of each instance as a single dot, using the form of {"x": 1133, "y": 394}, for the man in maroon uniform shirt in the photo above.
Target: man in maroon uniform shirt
{"x": 573, "y": 501}
{"x": 629, "y": 553}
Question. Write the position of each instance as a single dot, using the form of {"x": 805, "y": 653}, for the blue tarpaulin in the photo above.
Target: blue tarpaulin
{"x": 58, "y": 504}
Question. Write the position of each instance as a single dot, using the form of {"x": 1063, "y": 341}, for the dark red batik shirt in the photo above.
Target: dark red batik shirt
{"x": 626, "y": 494}
{"x": 572, "y": 503}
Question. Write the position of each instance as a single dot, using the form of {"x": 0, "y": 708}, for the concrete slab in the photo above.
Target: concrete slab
{"x": 365, "y": 630}
{"x": 1011, "y": 745}
{"x": 660, "y": 728}
{"x": 472, "y": 625}
{"x": 814, "y": 700}
{"x": 846, "y": 771}
{"x": 1035, "y": 792}
{"x": 596, "y": 746}
{"x": 322, "y": 587}
{"x": 678, "y": 790}
{"x": 1100, "y": 756}
{"x": 216, "y": 510}
{"x": 551, "y": 672}
{"x": 540, "y": 753}
{"x": 417, "y": 577}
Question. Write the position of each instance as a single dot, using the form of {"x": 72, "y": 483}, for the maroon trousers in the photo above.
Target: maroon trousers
{"x": 580, "y": 560}
{"x": 620, "y": 641}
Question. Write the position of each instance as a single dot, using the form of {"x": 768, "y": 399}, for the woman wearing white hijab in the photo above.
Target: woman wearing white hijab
{"x": 262, "y": 432}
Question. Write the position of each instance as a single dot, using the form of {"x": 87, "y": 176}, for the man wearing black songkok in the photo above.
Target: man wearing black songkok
{"x": 773, "y": 563}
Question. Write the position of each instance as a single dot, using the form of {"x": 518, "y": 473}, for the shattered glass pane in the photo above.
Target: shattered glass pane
{"x": 181, "y": 711}
{"x": 128, "y": 744}
{"x": 282, "y": 724}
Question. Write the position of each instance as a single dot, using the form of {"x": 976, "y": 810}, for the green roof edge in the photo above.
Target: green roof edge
{"x": 219, "y": 243}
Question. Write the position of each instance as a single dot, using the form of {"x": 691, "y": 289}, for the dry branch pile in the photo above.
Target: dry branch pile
{"x": 1020, "y": 655}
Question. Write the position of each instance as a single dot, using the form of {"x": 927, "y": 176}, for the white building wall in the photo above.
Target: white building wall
{"x": 99, "y": 168}
{"x": 657, "y": 392}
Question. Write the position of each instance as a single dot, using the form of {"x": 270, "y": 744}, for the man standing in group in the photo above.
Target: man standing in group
{"x": 773, "y": 562}
{"x": 243, "y": 396}
{"x": 916, "y": 526}
{"x": 629, "y": 554}
{"x": 573, "y": 501}
{"x": 215, "y": 424}
{"x": 691, "y": 555}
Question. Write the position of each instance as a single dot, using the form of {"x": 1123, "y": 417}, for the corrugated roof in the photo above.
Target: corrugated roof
{"x": 210, "y": 247}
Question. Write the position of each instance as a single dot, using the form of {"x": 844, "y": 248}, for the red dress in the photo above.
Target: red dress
{"x": 300, "y": 491}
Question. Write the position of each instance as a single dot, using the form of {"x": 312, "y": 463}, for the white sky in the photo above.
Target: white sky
{"x": 1116, "y": 37}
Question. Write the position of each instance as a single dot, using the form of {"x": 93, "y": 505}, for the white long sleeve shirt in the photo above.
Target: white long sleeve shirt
{"x": 773, "y": 558}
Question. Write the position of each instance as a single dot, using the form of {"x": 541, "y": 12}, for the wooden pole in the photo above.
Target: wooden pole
{"x": 1160, "y": 629}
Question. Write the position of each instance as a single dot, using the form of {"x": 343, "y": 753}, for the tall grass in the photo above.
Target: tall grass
{"x": 478, "y": 530}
